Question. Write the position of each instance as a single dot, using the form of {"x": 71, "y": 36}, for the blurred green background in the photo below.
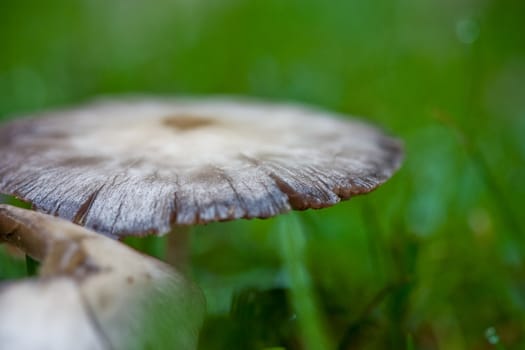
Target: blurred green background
{"x": 432, "y": 260}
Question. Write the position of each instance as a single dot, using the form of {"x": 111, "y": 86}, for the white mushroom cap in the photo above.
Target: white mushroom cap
{"x": 92, "y": 292}
{"x": 140, "y": 166}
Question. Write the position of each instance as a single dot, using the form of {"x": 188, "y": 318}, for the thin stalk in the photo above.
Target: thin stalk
{"x": 292, "y": 244}
{"x": 178, "y": 248}
{"x": 410, "y": 342}
{"x": 172, "y": 247}
{"x": 150, "y": 245}
{"x": 374, "y": 240}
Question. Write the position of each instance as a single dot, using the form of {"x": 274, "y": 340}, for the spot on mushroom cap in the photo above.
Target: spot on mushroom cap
{"x": 139, "y": 166}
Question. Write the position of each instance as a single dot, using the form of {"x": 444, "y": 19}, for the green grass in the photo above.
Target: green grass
{"x": 292, "y": 244}
{"x": 432, "y": 260}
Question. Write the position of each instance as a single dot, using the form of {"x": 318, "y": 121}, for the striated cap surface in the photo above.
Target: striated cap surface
{"x": 141, "y": 166}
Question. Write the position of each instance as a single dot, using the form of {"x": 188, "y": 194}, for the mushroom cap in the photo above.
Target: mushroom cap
{"x": 92, "y": 292}
{"x": 141, "y": 166}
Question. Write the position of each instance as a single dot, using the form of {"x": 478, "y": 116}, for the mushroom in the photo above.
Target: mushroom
{"x": 144, "y": 166}
{"x": 93, "y": 292}
{"x": 137, "y": 167}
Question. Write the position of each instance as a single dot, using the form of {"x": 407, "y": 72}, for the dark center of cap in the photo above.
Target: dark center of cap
{"x": 187, "y": 122}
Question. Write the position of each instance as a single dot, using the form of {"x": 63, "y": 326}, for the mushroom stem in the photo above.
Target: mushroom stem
{"x": 93, "y": 292}
{"x": 178, "y": 248}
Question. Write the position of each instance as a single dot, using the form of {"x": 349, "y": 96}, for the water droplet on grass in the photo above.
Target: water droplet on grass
{"x": 492, "y": 336}
{"x": 467, "y": 30}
